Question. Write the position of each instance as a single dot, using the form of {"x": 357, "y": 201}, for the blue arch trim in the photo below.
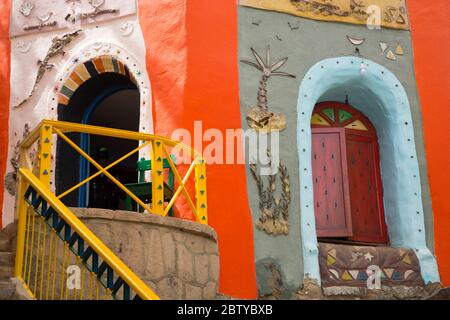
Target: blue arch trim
{"x": 380, "y": 96}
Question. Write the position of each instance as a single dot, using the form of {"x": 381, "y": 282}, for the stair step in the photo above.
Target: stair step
{"x": 5, "y": 245}
{"x": 6, "y": 272}
{"x": 7, "y": 290}
{"x": 8, "y": 232}
{"x": 7, "y": 259}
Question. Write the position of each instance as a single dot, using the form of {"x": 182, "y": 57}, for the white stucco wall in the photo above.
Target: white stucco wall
{"x": 121, "y": 37}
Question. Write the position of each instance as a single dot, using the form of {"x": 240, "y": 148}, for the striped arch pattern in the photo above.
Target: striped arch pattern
{"x": 90, "y": 69}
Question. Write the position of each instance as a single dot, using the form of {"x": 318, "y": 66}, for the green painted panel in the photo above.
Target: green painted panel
{"x": 330, "y": 114}
{"x": 344, "y": 116}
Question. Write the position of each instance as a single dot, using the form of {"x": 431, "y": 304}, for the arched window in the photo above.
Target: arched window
{"x": 348, "y": 192}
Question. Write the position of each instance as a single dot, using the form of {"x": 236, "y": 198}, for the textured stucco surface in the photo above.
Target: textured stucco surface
{"x": 431, "y": 42}
{"x": 192, "y": 59}
{"x": 306, "y": 45}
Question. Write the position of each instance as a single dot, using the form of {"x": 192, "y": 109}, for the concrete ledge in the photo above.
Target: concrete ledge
{"x": 131, "y": 216}
{"x": 179, "y": 259}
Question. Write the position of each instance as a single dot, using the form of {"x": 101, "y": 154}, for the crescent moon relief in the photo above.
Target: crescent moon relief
{"x": 126, "y": 28}
{"x": 45, "y": 17}
{"x": 355, "y": 41}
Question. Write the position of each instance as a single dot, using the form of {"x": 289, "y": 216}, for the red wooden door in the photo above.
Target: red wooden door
{"x": 348, "y": 195}
{"x": 331, "y": 201}
{"x": 365, "y": 189}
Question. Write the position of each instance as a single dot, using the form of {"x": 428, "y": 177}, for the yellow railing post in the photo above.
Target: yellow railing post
{"x": 45, "y": 151}
{"x": 21, "y": 225}
{"x": 200, "y": 191}
{"x": 157, "y": 178}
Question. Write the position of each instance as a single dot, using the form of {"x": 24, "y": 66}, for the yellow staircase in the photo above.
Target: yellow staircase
{"x": 56, "y": 252}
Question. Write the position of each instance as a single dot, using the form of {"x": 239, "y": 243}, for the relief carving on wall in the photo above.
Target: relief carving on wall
{"x": 393, "y": 12}
{"x": 10, "y": 180}
{"x": 260, "y": 118}
{"x": 274, "y": 210}
{"x": 56, "y": 49}
{"x": 30, "y": 17}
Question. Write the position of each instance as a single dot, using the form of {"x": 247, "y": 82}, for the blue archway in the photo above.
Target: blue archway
{"x": 380, "y": 96}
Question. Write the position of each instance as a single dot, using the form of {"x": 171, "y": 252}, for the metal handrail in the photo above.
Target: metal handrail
{"x": 159, "y": 144}
{"x": 128, "y": 276}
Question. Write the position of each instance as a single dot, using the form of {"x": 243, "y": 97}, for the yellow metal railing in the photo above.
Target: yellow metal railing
{"x": 52, "y": 241}
{"x": 158, "y": 145}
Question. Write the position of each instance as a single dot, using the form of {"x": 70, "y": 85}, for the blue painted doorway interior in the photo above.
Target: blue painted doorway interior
{"x": 85, "y": 138}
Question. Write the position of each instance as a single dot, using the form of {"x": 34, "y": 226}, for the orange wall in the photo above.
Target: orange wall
{"x": 192, "y": 63}
{"x": 431, "y": 42}
{"x": 4, "y": 93}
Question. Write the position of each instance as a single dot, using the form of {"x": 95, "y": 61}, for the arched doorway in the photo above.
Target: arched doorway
{"x": 348, "y": 193}
{"x": 108, "y": 98}
{"x": 379, "y": 94}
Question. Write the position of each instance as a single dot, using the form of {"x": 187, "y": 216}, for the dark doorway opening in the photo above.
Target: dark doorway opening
{"x": 348, "y": 192}
{"x": 108, "y": 100}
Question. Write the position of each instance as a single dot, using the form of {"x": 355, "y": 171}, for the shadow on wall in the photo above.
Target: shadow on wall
{"x": 377, "y": 93}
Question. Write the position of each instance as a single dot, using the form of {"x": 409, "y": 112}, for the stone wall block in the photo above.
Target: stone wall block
{"x": 154, "y": 266}
{"x": 169, "y": 253}
{"x": 195, "y": 243}
{"x": 193, "y": 292}
{"x": 214, "y": 268}
{"x": 185, "y": 263}
{"x": 170, "y": 288}
{"x": 210, "y": 290}
{"x": 201, "y": 264}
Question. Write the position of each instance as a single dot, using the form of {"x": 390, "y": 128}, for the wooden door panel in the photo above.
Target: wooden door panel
{"x": 365, "y": 190}
{"x": 331, "y": 205}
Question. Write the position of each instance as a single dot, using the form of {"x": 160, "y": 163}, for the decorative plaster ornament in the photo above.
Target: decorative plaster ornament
{"x": 260, "y": 118}
{"x": 97, "y": 46}
{"x": 334, "y": 273}
{"x": 391, "y": 55}
{"x": 56, "y": 49}
{"x": 383, "y": 46}
{"x": 126, "y": 28}
{"x": 96, "y": 3}
{"x": 399, "y": 50}
{"x": 294, "y": 27}
{"x": 355, "y": 41}
{"x": 24, "y": 46}
{"x": 86, "y": 54}
{"x": 368, "y": 256}
{"x": 26, "y": 9}
{"x": 45, "y": 17}
{"x": 106, "y": 49}
{"x": 274, "y": 219}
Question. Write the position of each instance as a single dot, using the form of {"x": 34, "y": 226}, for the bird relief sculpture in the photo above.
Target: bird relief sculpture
{"x": 261, "y": 118}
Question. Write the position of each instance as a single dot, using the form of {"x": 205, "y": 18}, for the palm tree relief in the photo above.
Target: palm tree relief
{"x": 260, "y": 118}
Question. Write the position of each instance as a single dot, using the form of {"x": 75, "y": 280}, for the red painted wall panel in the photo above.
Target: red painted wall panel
{"x": 192, "y": 63}
{"x": 5, "y": 63}
{"x": 431, "y": 42}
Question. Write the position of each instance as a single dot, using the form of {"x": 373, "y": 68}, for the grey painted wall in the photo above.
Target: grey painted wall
{"x": 312, "y": 42}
